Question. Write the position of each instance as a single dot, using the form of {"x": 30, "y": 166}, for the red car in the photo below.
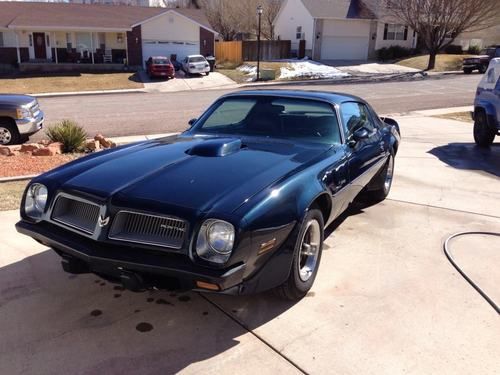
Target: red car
{"x": 159, "y": 66}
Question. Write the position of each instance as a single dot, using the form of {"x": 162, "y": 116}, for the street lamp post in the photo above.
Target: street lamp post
{"x": 259, "y": 14}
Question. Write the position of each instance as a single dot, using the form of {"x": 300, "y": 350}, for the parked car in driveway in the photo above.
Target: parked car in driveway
{"x": 237, "y": 204}
{"x": 195, "y": 64}
{"x": 486, "y": 113}
{"x": 481, "y": 61}
{"x": 20, "y": 117}
{"x": 159, "y": 66}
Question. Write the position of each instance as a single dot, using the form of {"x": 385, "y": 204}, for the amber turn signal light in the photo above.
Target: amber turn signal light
{"x": 205, "y": 285}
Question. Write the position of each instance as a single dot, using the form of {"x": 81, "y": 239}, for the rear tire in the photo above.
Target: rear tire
{"x": 9, "y": 135}
{"x": 483, "y": 135}
{"x": 306, "y": 257}
{"x": 467, "y": 70}
{"x": 382, "y": 182}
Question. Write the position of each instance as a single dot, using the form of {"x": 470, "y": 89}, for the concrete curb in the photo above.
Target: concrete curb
{"x": 353, "y": 79}
{"x": 17, "y": 178}
{"x": 83, "y": 93}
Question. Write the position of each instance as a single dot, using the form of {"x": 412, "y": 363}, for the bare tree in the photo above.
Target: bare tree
{"x": 439, "y": 22}
{"x": 225, "y": 16}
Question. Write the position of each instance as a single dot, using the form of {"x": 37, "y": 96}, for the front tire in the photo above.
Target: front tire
{"x": 482, "y": 69}
{"x": 8, "y": 133}
{"x": 483, "y": 134}
{"x": 208, "y": 73}
{"x": 306, "y": 257}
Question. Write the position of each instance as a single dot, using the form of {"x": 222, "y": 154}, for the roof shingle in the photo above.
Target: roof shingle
{"x": 59, "y": 15}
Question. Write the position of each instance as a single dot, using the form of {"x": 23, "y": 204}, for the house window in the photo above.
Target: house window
{"x": 119, "y": 38}
{"x": 298, "y": 33}
{"x": 395, "y": 32}
{"x": 69, "y": 44}
{"x": 1, "y": 39}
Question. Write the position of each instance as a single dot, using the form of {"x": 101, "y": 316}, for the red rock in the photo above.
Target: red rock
{"x": 5, "y": 151}
{"x": 58, "y": 147}
{"x": 30, "y": 147}
{"x": 44, "y": 152}
{"x": 93, "y": 145}
{"x": 105, "y": 143}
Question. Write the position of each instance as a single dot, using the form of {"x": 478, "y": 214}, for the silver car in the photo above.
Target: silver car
{"x": 195, "y": 64}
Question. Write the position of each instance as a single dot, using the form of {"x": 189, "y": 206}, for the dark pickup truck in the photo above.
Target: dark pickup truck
{"x": 20, "y": 117}
{"x": 481, "y": 61}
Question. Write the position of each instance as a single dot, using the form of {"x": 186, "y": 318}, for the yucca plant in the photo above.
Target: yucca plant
{"x": 69, "y": 133}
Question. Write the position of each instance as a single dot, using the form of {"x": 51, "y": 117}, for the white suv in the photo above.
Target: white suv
{"x": 195, "y": 64}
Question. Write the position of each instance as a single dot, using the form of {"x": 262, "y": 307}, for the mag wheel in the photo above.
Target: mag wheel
{"x": 306, "y": 258}
{"x": 8, "y": 134}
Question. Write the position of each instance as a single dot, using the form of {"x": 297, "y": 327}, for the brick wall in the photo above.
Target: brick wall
{"x": 206, "y": 42}
{"x": 134, "y": 45}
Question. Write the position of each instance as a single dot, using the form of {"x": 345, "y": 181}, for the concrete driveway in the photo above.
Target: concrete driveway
{"x": 183, "y": 83}
{"x": 386, "y": 300}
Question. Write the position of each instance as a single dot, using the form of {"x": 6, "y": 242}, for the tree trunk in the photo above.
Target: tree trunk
{"x": 432, "y": 60}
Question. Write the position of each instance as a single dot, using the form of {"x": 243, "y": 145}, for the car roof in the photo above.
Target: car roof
{"x": 159, "y": 57}
{"x": 329, "y": 96}
{"x": 188, "y": 56}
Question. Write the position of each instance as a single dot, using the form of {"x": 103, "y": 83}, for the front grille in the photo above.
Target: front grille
{"x": 76, "y": 214}
{"x": 148, "y": 229}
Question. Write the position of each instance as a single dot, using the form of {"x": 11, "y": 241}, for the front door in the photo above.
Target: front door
{"x": 39, "y": 45}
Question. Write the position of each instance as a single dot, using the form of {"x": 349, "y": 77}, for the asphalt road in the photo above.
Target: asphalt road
{"x": 150, "y": 113}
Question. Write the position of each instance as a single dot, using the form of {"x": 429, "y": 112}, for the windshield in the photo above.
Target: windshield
{"x": 274, "y": 117}
{"x": 197, "y": 59}
{"x": 161, "y": 61}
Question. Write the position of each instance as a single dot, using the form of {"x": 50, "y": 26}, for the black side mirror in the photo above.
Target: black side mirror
{"x": 358, "y": 135}
{"x": 192, "y": 122}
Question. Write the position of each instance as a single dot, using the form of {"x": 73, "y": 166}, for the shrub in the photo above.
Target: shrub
{"x": 474, "y": 50}
{"x": 453, "y": 49}
{"x": 69, "y": 133}
{"x": 393, "y": 52}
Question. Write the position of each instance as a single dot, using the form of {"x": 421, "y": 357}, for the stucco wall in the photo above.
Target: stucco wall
{"x": 292, "y": 15}
{"x": 171, "y": 27}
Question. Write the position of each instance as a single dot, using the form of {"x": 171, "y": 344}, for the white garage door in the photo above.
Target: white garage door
{"x": 345, "y": 40}
{"x": 161, "y": 48}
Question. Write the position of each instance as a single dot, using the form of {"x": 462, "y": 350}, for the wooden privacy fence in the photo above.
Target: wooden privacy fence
{"x": 229, "y": 51}
{"x": 238, "y": 51}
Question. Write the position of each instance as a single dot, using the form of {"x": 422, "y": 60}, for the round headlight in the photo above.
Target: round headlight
{"x": 221, "y": 236}
{"x": 215, "y": 241}
{"x": 36, "y": 199}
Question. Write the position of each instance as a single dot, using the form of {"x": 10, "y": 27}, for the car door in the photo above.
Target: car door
{"x": 365, "y": 154}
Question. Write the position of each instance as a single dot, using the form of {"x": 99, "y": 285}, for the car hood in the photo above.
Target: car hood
{"x": 15, "y": 100}
{"x": 476, "y": 57}
{"x": 188, "y": 172}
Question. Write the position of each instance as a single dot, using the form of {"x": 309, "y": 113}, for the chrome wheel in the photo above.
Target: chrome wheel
{"x": 309, "y": 250}
{"x": 5, "y": 136}
{"x": 389, "y": 173}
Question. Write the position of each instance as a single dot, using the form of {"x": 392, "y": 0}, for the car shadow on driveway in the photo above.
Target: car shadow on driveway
{"x": 53, "y": 322}
{"x": 468, "y": 156}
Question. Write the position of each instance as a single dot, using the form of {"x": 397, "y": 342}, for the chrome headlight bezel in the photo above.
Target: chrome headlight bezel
{"x": 36, "y": 200}
{"x": 215, "y": 241}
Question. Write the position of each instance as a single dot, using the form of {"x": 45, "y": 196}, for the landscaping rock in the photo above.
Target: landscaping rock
{"x": 105, "y": 143}
{"x": 47, "y": 151}
{"x": 93, "y": 145}
{"x": 45, "y": 142}
{"x": 58, "y": 147}
{"x": 5, "y": 151}
{"x": 30, "y": 147}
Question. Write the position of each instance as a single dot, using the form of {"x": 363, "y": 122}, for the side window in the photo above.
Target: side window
{"x": 354, "y": 116}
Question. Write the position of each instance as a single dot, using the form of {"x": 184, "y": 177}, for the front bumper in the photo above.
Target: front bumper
{"x": 114, "y": 261}
{"x": 30, "y": 125}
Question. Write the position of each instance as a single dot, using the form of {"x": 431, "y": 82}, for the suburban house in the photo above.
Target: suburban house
{"x": 340, "y": 29}
{"x": 51, "y": 34}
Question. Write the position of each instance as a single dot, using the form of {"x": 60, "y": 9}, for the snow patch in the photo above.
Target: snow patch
{"x": 310, "y": 70}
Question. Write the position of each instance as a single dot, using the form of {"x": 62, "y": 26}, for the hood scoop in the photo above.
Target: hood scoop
{"x": 216, "y": 147}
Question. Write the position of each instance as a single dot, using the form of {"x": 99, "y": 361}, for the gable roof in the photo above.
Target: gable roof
{"x": 98, "y": 16}
{"x": 339, "y": 9}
